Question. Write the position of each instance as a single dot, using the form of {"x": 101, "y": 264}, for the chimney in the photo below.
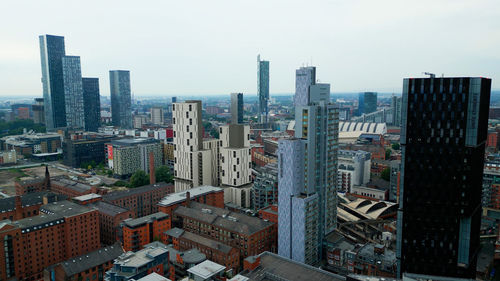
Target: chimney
{"x": 18, "y": 208}
{"x": 188, "y": 198}
{"x": 152, "y": 178}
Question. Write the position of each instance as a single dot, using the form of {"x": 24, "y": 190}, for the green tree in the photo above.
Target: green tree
{"x": 386, "y": 174}
{"x": 163, "y": 174}
{"x": 139, "y": 178}
{"x": 388, "y": 153}
{"x": 395, "y": 146}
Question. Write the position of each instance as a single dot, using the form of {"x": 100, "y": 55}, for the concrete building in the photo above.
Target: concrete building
{"x": 73, "y": 92}
{"x": 38, "y": 111}
{"x": 235, "y": 162}
{"x": 157, "y": 115}
{"x": 263, "y": 89}
{"x": 92, "y": 104}
{"x": 207, "y": 271}
{"x": 265, "y": 187}
{"x": 236, "y": 108}
{"x": 140, "y": 120}
{"x": 125, "y": 156}
{"x": 210, "y": 195}
{"x": 51, "y": 52}
{"x": 8, "y": 157}
{"x": 307, "y": 171}
{"x": 134, "y": 265}
{"x": 32, "y": 143}
{"x": 367, "y": 103}
{"x": 121, "y": 101}
{"x": 353, "y": 169}
{"x": 396, "y": 106}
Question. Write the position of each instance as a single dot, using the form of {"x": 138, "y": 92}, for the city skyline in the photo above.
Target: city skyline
{"x": 170, "y": 64}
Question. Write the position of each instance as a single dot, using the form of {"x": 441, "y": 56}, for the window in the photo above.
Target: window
{"x": 190, "y": 107}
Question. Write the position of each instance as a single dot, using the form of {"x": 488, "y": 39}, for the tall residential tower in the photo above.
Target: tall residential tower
{"x": 236, "y": 108}
{"x": 92, "y": 103}
{"x": 73, "y": 92}
{"x": 443, "y": 135}
{"x": 263, "y": 89}
{"x": 121, "y": 102}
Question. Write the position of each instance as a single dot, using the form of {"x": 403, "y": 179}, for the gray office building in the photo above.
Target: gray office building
{"x": 236, "y": 108}
{"x": 121, "y": 102}
{"x": 51, "y": 53}
{"x": 92, "y": 104}
{"x": 263, "y": 88}
{"x": 396, "y": 104}
{"x": 316, "y": 191}
{"x": 73, "y": 92}
{"x": 367, "y": 103}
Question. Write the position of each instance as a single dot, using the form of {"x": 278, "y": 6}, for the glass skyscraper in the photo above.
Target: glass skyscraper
{"x": 263, "y": 88}
{"x": 92, "y": 104}
{"x": 121, "y": 101}
{"x": 73, "y": 92}
{"x": 236, "y": 108}
{"x": 367, "y": 103}
{"x": 51, "y": 53}
{"x": 443, "y": 135}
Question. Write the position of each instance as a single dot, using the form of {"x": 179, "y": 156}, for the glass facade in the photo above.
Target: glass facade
{"x": 121, "y": 101}
{"x": 92, "y": 104}
{"x": 73, "y": 92}
{"x": 263, "y": 88}
{"x": 51, "y": 53}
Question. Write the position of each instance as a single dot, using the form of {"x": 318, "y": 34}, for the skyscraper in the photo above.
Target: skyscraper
{"x": 51, "y": 53}
{"x": 236, "y": 108}
{"x": 317, "y": 127}
{"x": 121, "y": 103}
{"x": 367, "y": 103}
{"x": 443, "y": 140}
{"x": 73, "y": 92}
{"x": 396, "y": 103}
{"x": 263, "y": 88}
{"x": 92, "y": 104}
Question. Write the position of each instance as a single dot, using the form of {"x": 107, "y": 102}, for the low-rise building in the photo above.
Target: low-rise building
{"x": 27, "y": 205}
{"x": 210, "y": 195}
{"x": 269, "y": 213}
{"x": 90, "y": 266}
{"x": 29, "y": 185}
{"x": 72, "y": 188}
{"x": 135, "y": 265}
{"x": 207, "y": 271}
{"x": 110, "y": 218}
{"x": 143, "y": 200}
{"x": 135, "y": 233}
{"x": 8, "y": 157}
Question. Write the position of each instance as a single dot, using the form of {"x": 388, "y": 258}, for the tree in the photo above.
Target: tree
{"x": 388, "y": 153}
{"x": 163, "y": 174}
{"x": 395, "y": 146}
{"x": 139, "y": 178}
{"x": 386, "y": 174}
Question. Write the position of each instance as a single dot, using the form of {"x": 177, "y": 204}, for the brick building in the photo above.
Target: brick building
{"x": 71, "y": 188}
{"x": 250, "y": 235}
{"x": 110, "y": 217}
{"x": 33, "y": 184}
{"x": 270, "y": 213}
{"x": 62, "y": 230}
{"x": 141, "y": 200}
{"x": 214, "y": 250}
{"x": 135, "y": 233}
{"x": 28, "y": 205}
{"x": 90, "y": 266}
{"x": 210, "y": 195}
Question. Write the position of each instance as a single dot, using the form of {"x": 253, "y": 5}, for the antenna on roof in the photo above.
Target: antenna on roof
{"x": 431, "y": 75}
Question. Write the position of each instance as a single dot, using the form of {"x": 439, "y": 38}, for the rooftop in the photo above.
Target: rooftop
{"x": 206, "y": 242}
{"x": 206, "y": 269}
{"x": 30, "y": 199}
{"x": 87, "y": 197}
{"x": 153, "y": 277}
{"x": 224, "y": 218}
{"x": 92, "y": 259}
{"x": 274, "y": 267}
{"x": 133, "y": 141}
{"x": 115, "y": 195}
{"x": 71, "y": 184}
{"x": 174, "y": 232}
{"x": 107, "y": 208}
{"x": 142, "y": 257}
{"x": 193, "y": 256}
{"x": 146, "y": 219}
{"x": 179, "y": 197}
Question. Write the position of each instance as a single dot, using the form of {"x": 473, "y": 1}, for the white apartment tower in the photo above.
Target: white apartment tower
{"x": 157, "y": 115}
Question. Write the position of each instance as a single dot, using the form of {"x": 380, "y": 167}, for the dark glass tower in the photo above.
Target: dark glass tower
{"x": 236, "y": 108}
{"x": 121, "y": 102}
{"x": 444, "y": 128}
{"x": 367, "y": 103}
{"x": 51, "y": 53}
{"x": 92, "y": 104}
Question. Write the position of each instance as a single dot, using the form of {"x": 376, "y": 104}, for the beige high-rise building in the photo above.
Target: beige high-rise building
{"x": 157, "y": 115}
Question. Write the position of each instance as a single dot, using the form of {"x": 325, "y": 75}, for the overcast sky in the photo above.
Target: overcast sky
{"x": 199, "y": 47}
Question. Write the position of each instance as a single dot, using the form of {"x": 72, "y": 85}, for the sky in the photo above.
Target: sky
{"x": 200, "y": 47}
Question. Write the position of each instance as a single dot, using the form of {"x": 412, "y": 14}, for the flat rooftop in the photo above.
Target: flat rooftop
{"x": 178, "y": 197}
{"x": 141, "y": 257}
{"x": 146, "y": 219}
{"x": 87, "y": 197}
{"x": 107, "y": 208}
{"x": 153, "y": 277}
{"x": 71, "y": 184}
{"x": 115, "y": 195}
{"x": 133, "y": 141}
{"x": 206, "y": 269}
{"x": 207, "y": 242}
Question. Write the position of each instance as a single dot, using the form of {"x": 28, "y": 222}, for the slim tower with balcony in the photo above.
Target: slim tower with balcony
{"x": 263, "y": 88}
